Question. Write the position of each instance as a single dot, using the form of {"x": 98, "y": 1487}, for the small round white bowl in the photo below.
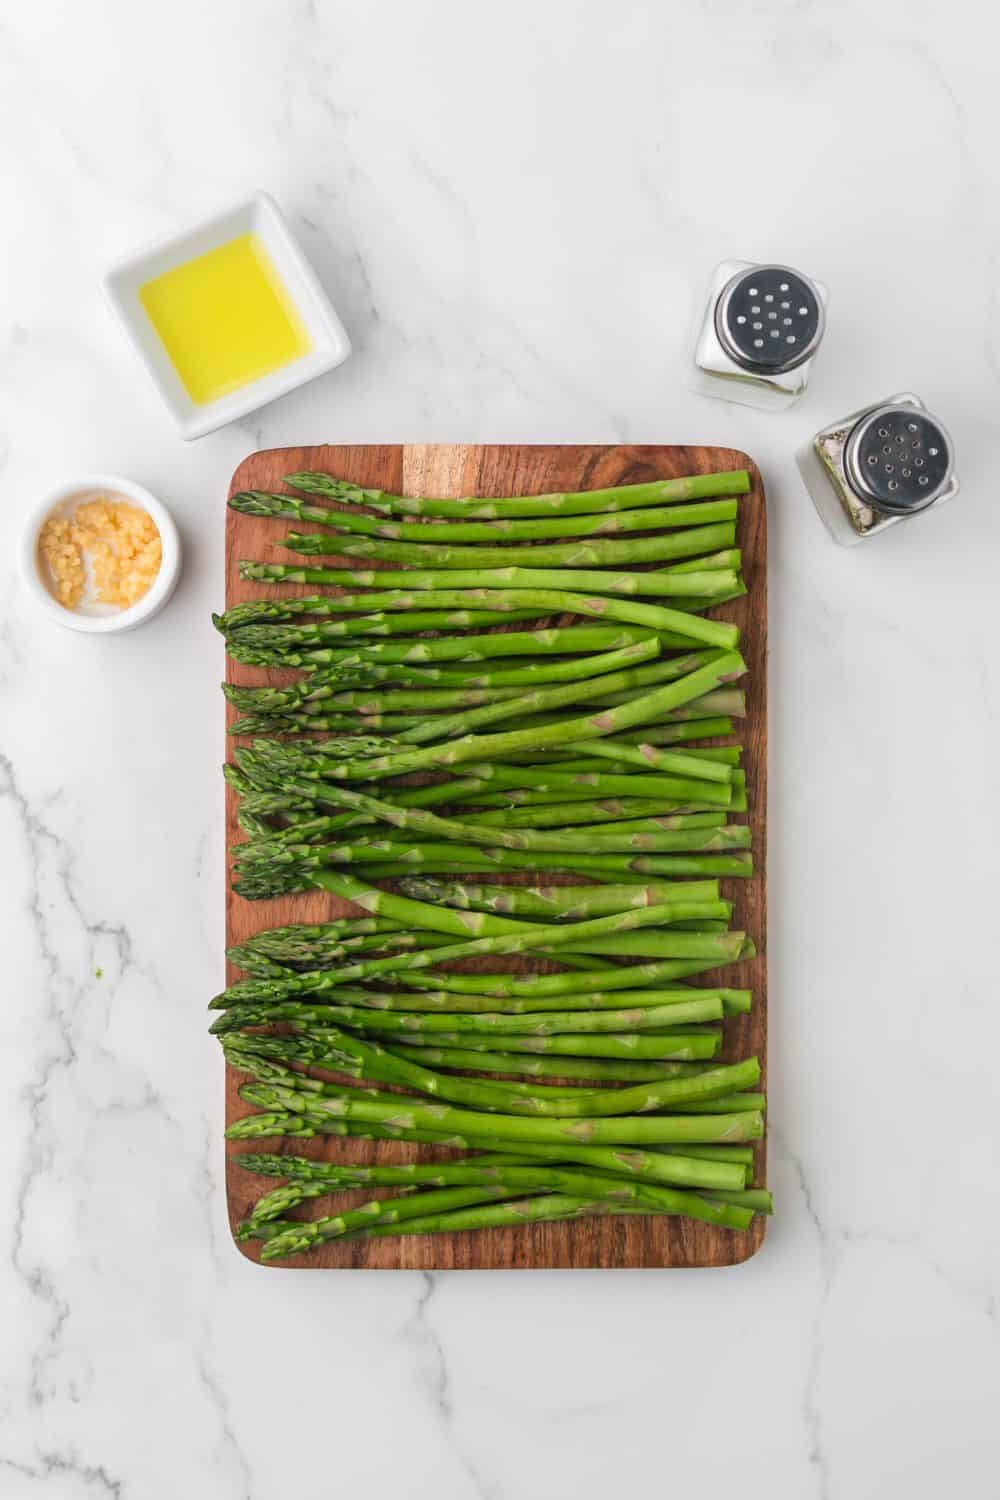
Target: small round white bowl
{"x": 101, "y": 619}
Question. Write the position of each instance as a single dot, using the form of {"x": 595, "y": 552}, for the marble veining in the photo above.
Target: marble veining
{"x": 516, "y": 211}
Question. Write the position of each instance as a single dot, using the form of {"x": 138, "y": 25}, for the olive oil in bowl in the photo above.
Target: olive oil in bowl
{"x": 226, "y": 315}
{"x": 225, "y": 318}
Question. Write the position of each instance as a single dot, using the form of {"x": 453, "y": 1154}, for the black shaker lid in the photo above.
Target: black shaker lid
{"x": 898, "y": 459}
{"x": 769, "y": 319}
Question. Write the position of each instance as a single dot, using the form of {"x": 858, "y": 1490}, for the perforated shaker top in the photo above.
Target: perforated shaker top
{"x": 769, "y": 319}
{"x": 898, "y": 458}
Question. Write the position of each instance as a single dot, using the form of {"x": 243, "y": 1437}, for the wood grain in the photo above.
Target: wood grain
{"x": 498, "y": 470}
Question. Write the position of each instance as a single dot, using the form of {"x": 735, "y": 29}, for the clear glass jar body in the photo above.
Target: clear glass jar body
{"x": 715, "y": 372}
{"x": 847, "y": 515}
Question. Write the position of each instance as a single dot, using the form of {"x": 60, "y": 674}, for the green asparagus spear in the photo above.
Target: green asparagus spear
{"x": 616, "y": 1131}
{"x": 488, "y": 747}
{"x": 262, "y": 503}
{"x": 487, "y": 1170}
{"x": 696, "y": 1045}
{"x": 380, "y": 860}
{"x": 388, "y": 1023}
{"x": 408, "y": 587}
{"x": 623, "y": 977}
{"x": 288, "y": 1237}
{"x": 556, "y": 903}
{"x": 281, "y": 611}
{"x": 587, "y": 502}
{"x": 547, "y": 1208}
{"x": 445, "y": 1205}
{"x": 436, "y": 616}
{"x": 272, "y": 1121}
{"x": 694, "y": 835}
{"x": 609, "y": 669}
{"x": 569, "y": 554}
{"x": 316, "y": 1013}
{"x": 597, "y": 1070}
{"x": 500, "y": 812}
{"x": 687, "y": 1171}
{"x": 655, "y": 617}
{"x": 556, "y": 640}
{"x": 720, "y": 947}
{"x": 332, "y": 1048}
{"x": 546, "y": 699}
{"x": 296, "y": 1238}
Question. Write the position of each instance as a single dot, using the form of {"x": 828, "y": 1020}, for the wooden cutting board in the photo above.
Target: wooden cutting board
{"x": 456, "y": 470}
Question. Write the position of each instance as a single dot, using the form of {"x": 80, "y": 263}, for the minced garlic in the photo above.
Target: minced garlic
{"x": 118, "y": 540}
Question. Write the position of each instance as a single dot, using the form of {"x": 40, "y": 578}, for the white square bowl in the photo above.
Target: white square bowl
{"x": 259, "y": 215}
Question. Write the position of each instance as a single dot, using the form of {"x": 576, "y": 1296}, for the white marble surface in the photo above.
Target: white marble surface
{"x": 516, "y": 210}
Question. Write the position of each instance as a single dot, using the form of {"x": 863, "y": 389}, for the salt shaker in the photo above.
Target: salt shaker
{"x": 762, "y": 327}
{"x": 879, "y": 466}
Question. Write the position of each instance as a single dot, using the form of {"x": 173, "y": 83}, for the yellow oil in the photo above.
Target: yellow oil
{"x": 225, "y": 318}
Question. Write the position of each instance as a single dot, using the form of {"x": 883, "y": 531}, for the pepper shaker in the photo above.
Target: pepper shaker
{"x": 762, "y": 327}
{"x": 878, "y": 466}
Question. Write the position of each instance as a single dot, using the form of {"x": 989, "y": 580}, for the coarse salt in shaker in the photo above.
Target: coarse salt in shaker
{"x": 879, "y": 466}
{"x": 762, "y": 327}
